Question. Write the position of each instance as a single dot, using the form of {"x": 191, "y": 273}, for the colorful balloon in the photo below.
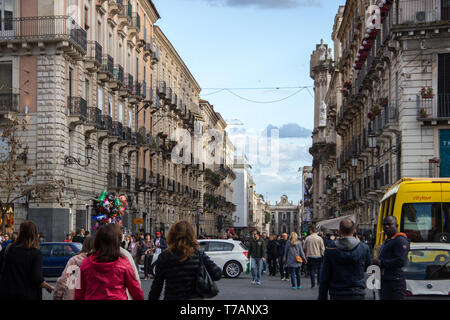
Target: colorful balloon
{"x": 102, "y": 196}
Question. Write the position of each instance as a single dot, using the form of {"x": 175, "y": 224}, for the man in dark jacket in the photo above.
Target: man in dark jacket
{"x": 344, "y": 266}
{"x": 273, "y": 252}
{"x": 257, "y": 253}
{"x": 392, "y": 258}
{"x": 284, "y": 271}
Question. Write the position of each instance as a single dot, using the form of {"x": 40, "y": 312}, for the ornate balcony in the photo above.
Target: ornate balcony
{"x": 95, "y": 116}
{"x": 434, "y": 109}
{"x": 118, "y": 129}
{"x": 77, "y": 107}
{"x": 118, "y": 74}
{"x": 107, "y": 123}
{"x": 155, "y": 56}
{"x": 161, "y": 89}
{"x": 135, "y": 26}
{"x": 25, "y": 32}
{"x": 106, "y": 71}
{"x": 94, "y": 56}
{"x": 124, "y": 15}
{"x": 115, "y": 6}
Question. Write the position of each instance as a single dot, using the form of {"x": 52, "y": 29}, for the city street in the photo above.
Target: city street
{"x": 272, "y": 288}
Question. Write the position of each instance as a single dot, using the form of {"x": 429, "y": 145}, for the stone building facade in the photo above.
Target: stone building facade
{"x": 100, "y": 73}
{"x": 387, "y": 127}
{"x": 285, "y": 217}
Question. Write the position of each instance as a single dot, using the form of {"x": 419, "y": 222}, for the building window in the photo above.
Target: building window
{"x": 100, "y": 99}
{"x": 99, "y": 32}
{"x": 129, "y": 118}
{"x": 120, "y": 113}
{"x": 86, "y": 90}
{"x": 6, "y": 78}
{"x": 110, "y": 106}
{"x": 86, "y": 18}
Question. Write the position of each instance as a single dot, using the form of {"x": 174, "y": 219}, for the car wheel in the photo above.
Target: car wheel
{"x": 232, "y": 269}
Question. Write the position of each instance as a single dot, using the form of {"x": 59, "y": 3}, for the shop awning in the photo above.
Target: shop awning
{"x": 333, "y": 224}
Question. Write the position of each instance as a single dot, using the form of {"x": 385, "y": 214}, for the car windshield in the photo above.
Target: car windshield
{"x": 427, "y": 264}
{"x": 426, "y": 222}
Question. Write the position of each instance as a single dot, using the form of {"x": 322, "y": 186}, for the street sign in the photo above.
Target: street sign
{"x": 138, "y": 221}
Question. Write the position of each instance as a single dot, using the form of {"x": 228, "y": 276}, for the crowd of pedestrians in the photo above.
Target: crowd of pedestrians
{"x": 106, "y": 266}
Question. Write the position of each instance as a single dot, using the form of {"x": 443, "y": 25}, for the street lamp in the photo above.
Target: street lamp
{"x": 354, "y": 161}
{"x": 68, "y": 160}
{"x": 372, "y": 140}
{"x": 126, "y": 168}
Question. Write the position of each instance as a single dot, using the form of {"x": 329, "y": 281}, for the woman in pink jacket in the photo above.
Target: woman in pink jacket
{"x": 65, "y": 285}
{"x": 106, "y": 274}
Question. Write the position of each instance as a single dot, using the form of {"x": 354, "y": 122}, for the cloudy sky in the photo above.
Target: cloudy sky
{"x": 251, "y": 58}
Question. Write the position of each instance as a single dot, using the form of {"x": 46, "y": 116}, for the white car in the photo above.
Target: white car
{"x": 230, "y": 255}
{"x": 428, "y": 270}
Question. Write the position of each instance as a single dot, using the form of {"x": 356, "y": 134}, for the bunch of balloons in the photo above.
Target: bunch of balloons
{"x": 109, "y": 208}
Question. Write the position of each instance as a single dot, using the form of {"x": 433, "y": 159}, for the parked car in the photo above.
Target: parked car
{"x": 428, "y": 270}
{"x": 230, "y": 255}
{"x": 55, "y": 256}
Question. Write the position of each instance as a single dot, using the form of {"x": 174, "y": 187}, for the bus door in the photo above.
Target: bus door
{"x": 442, "y": 224}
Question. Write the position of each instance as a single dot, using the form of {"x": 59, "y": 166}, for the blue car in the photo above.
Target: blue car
{"x": 55, "y": 256}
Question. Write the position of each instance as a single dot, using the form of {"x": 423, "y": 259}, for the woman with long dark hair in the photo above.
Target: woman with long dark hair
{"x": 107, "y": 273}
{"x": 21, "y": 267}
{"x": 179, "y": 265}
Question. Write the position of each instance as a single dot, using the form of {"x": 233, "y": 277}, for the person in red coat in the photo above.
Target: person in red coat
{"x": 106, "y": 274}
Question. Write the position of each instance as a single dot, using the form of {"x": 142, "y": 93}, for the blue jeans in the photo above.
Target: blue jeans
{"x": 314, "y": 269}
{"x": 295, "y": 273}
{"x": 256, "y": 269}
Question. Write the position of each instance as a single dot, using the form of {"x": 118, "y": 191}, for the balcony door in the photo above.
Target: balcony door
{"x": 445, "y": 9}
{"x": 444, "y": 85}
{"x": 6, "y": 13}
{"x": 444, "y": 143}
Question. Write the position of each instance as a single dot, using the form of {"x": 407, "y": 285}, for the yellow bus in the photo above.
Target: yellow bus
{"x": 422, "y": 209}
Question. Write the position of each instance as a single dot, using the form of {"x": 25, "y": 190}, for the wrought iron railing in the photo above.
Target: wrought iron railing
{"x": 118, "y": 129}
{"x": 108, "y": 64}
{"x": 95, "y": 51}
{"x": 107, "y": 123}
{"x": 118, "y": 73}
{"x": 129, "y": 82}
{"x": 95, "y": 115}
{"x": 77, "y": 106}
{"x": 9, "y": 102}
{"x": 434, "y": 106}
{"x": 162, "y": 89}
{"x": 135, "y": 21}
{"x": 44, "y": 28}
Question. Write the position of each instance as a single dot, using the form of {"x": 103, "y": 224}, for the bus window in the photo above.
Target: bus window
{"x": 388, "y": 204}
{"x": 391, "y": 211}
{"x": 422, "y": 221}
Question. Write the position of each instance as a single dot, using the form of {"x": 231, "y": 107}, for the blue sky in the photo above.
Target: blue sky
{"x": 255, "y": 44}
